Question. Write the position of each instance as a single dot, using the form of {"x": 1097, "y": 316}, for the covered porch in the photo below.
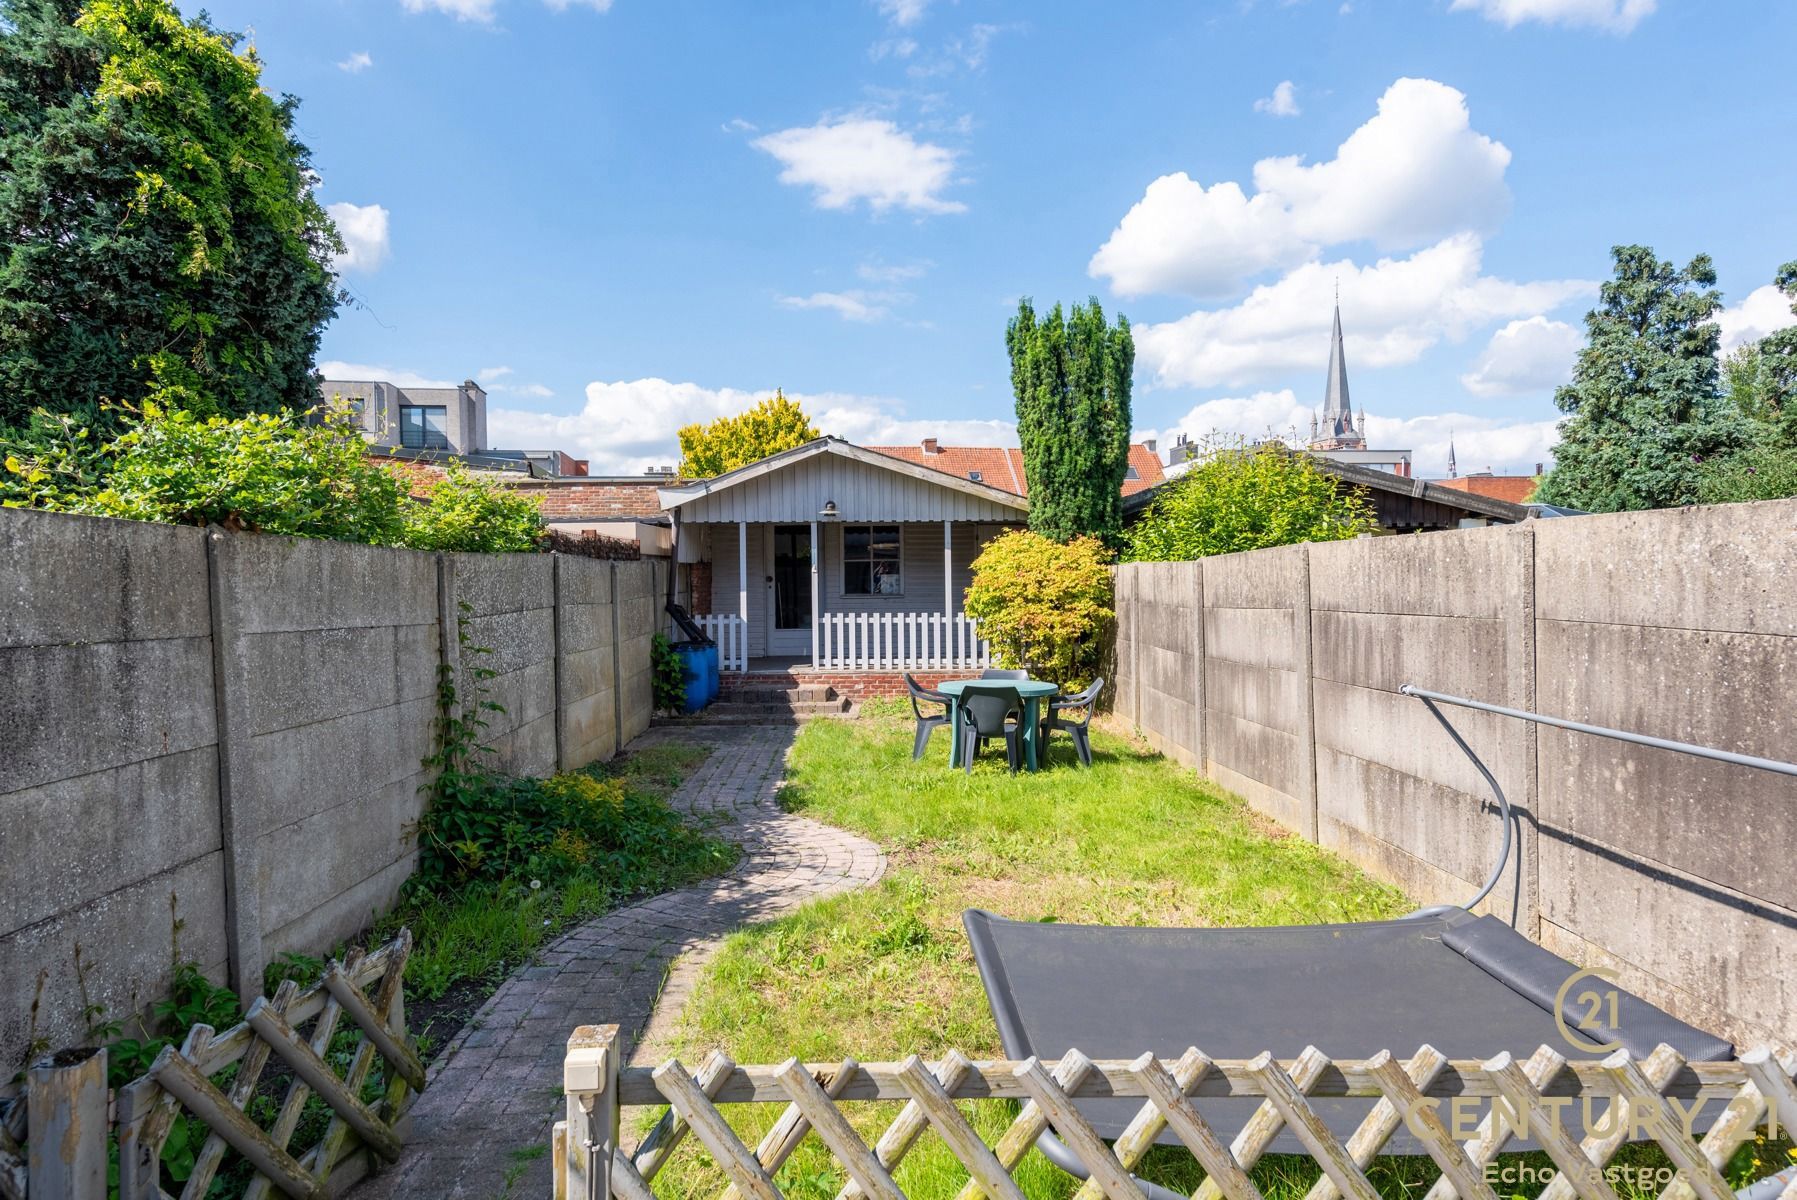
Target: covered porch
{"x": 830, "y": 557}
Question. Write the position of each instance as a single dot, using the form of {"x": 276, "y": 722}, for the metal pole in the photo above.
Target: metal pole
{"x": 1621, "y": 735}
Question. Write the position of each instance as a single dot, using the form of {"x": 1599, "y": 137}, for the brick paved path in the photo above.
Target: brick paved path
{"x": 497, "y": 1087}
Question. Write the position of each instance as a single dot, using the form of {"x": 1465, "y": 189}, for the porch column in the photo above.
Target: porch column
{"x": 742, "y": 585}
{"x": 817, "y": 551}
{"x": 948, "y": 569}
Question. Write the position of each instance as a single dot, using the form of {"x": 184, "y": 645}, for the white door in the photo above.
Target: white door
{"x": 789, "y": 590}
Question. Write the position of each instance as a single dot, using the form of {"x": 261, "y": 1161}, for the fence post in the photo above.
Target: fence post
{"x": 239, "y": 826}
{"x": 1307, "y": 738}
{"x": 589, "y": 1133}
{"x": 65, "y": 1105}
{"x": 617, "y": 666}
{"x": 558, "y": 609}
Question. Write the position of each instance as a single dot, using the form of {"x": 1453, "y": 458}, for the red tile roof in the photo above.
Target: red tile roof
{"x": 1002, "y": 466}
{"x": 1514, "y": 488}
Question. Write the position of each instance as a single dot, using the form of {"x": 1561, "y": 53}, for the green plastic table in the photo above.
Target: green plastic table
{"x": 1032, "y": 691}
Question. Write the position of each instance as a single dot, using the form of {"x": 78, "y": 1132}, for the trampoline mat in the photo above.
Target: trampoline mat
{"x": 1350, "y": 990}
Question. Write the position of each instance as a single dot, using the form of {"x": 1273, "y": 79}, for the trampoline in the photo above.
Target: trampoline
{"x": 1470, "y": 986}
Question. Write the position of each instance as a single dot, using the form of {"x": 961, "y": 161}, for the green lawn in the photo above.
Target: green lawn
{"x": 884, "y": 973}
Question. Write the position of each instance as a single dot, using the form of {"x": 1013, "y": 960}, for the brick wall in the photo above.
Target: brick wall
{"x": 854, "y": 685}
{"x": 699, "y": 580}
{"x": 599, "y": 501}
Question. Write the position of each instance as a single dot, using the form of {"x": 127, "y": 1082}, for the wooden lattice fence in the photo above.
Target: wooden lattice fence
{"x": 365, "y": 991}
{"x": 1651, "y": 1094}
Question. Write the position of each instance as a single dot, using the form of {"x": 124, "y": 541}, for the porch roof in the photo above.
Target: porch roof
{"x": 796, "y": 484}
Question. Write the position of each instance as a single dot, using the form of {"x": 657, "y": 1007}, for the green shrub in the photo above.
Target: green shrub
{"x": 269, "y": 473}
{"x": 1243, "y": 497}
{"x": 464, "y": 511}
{"x": 1044, "y": 605}
{"x": 668, "y": 674}
{"x": 1763, "y": 472}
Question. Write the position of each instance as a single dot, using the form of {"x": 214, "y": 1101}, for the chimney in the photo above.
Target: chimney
{"x": 1538, "y": 470}
{"x": 1149, "y": 442}
{"x": 930, "y": 446}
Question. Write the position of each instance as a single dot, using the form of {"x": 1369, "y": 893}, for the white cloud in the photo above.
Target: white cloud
{"x": 1398, "y": 308}
{"x": 880, "y": 272}
{"x": 903, "y": 13}
{"x": 461, "y": 10}
{"x": 1184, "y": 237}
{"x": 364, "y": 372}
{"x": 862, "y": 158}
{"x": 892, "y": 48}
{"x": 1282, "y": 103}
{"x": 598, "y": 6}
{"x": 1766, "y": 310}
{"x": 1612, "y": 16}
{"x": 356, "y": 63}
{"x": 364, "y": 228}
{"x": 489, "y": 374}
{"x": 1533, "y": 355}
{"x": 628, "y": 426}
{"x": 1480, "y": 442}
{"x": 855, "y": 305}
{"x": 1413, "y": 173}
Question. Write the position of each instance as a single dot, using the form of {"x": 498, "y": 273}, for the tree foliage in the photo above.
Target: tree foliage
{"x": 1043, "y": 604}
{"x": 269, "y": 472}
{"x": 465, "y": 511}
{"x": 157, "y": 221}
{"x": 727, "y": 443}
{"x": 1242, "y": 497}
{"x": 1071, "y": 375}
{"x": 1644, "y": 408}
{"x": 264, "y": 472}
{"x": 1761, "y": 377}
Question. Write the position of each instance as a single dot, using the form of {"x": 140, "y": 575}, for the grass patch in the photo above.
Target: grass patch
{"x": 886, "y": 972}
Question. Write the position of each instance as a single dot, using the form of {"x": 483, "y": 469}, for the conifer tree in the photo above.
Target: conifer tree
{"x": 1071, "y": 375}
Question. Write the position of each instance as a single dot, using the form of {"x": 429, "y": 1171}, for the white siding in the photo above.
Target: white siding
{"x": 921, "y": 564}
{"x": 862, "y": 492}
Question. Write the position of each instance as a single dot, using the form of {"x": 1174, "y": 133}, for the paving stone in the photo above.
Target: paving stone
{"x": 497, "y": 1086}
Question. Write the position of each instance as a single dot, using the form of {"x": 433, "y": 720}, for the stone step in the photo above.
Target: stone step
{"x": 726, "y": 713}
{"x": 769, "y": 693}
{"x": 731, "y": 707}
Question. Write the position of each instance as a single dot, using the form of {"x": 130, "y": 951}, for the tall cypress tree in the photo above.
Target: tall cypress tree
{"x": 157, "y": 220}
{"x": 1645, "y": 410}
{"x": 1071, "y": 374}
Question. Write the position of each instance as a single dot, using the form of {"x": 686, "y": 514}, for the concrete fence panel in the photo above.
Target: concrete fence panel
{"x": 1673, "y": 872}
{"x": 1393, "y": 791}
{"x": 510, "y": 615}
{"x": 1678, "y": 873}
{"x": 1256, "y": 657}
{"x": 110, "y": 846}
{"x": 211, "y": 743}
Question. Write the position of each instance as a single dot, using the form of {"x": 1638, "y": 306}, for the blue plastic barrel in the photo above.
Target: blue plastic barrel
{"x": 693, "y": 677}
{"x": 712, "y": 679}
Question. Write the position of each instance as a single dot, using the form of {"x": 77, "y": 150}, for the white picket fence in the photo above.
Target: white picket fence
{"x": 899, "y": 642}
{"x": 867, "y": 642}
{"x": 731, "y": 633}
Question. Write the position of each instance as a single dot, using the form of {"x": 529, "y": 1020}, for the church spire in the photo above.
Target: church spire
{"x": 1453, "y": 471}
{"x": 1338, "y": 417}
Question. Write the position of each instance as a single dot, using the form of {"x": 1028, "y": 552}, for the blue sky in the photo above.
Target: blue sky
{"x": 623, "y": 215}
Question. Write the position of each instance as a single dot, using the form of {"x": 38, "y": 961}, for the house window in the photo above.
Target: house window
{"x": 424, "y": 427}
{"x": 975, "y": 476}
{"x": 1131, "y": 473}
{"x": 870, "y": 560}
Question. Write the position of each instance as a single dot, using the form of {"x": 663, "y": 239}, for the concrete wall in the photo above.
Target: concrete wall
{"x": 1674, "y": 872}
{"x": 211, "y": 743}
